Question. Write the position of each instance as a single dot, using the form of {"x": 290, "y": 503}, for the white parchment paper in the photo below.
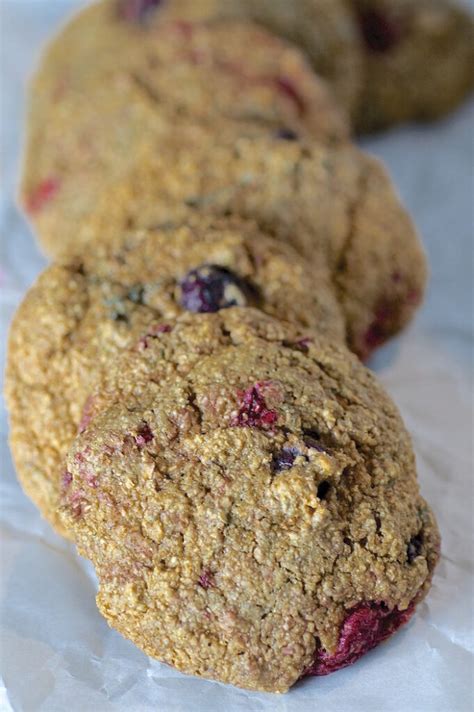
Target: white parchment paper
{"x": 58, "y": 655}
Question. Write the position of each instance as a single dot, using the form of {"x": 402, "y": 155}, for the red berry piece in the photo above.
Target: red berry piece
{"x": 287, "y": 88}
{"x": 144, "y": 435}
{"x": 365, "y": 626}
{"x": 253, "y": 411}
{"x": 206, "y": 579}
{"x": 42, "y": 194}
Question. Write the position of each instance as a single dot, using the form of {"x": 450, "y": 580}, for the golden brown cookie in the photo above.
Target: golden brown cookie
{"x": 335, "y": 201}
{"x": 418, "y": 60}
{"x": 89, "y": 119}
{"x": 82, "y": 312}
{"x": 251, "y": 507}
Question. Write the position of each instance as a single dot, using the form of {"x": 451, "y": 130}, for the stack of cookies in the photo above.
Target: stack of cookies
{"x": 187, "y": 397}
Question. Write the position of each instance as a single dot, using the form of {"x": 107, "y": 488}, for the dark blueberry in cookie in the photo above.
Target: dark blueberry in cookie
{"x": 414, "y": 548}
{"x": 380, "y": 32}
{"x": 286, "y": 134}
{"x": 284, "y": 459}
{"x": 137, "y": 10}
{"x": 209, "y": 288}
{"x": 365, "y": 626}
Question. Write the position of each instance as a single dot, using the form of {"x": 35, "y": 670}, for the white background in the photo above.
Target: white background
{"x": 57, "y": 652}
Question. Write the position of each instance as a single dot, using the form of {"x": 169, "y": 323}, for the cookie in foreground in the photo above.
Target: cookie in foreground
{"x": 83, "y": 311}
{"x": 251, "y": 506}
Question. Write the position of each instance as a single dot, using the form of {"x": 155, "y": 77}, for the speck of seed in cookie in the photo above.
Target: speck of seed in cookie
{"x": 210, "y": 288}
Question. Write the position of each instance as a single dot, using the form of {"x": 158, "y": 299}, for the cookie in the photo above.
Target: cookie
{"x": 331, "y": 200}
{"x": 251, "y": 507}
{"x": 418, "y": 60}
{"x": 81, "y": 313}
{"x": 324, "y": 29}
{"x": 374, "y": 53}
{"x": 90, "y": 119}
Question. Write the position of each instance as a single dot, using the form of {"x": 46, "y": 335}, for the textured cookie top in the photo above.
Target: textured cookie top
{"x": 242, "y": 498}
{"x": 81, "y": 313}
{"x": 227, "y": 67}
{"x": 96, "y": 111}
{"x": 331, "y": 201}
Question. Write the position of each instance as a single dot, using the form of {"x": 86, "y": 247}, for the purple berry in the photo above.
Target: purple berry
{"x": 287, "y": 134}
{"x": 137, "y": 10}
{"x": 144, "y": 435}
{"x": 206, "y": 579}
{"x": 414, "y": 548}
{"x": 380, "y": 32}
{"x": 209, "y": 288}
{"x": 284, "y": 459}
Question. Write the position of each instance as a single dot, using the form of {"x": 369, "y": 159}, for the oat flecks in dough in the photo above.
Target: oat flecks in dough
{"x": 215, "y": 554}
{"x": 81, "y": 313}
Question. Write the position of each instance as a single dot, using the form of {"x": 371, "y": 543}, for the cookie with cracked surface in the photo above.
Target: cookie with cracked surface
{"x": 81, "y": 313}
{"x": 417, "y": 63}
{"x": 335, "y": 200}
{"x": 91, "y": 118}
{"x": 324, "y": 29}
{"x": 251, "y": 507}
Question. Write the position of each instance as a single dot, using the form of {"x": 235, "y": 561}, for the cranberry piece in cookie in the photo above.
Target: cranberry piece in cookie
{"x": 210, "y": 288}
{"x": 42, "y": 194}
{"x": 254, "y": 411}
{"x": 365, "y": 626}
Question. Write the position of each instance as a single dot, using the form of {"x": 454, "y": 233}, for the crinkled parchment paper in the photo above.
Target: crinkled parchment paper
{"x": 59, "y": 655}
